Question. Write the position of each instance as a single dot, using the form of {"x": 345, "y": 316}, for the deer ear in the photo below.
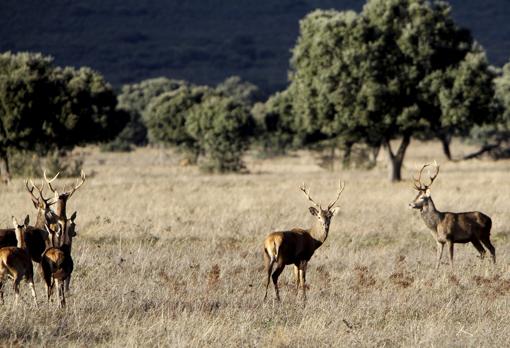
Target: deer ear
{"x": 313, "y": 211}
{"x": 73, "y": 217}
{"x": 35, "y": 203}
{"x": 27, "y": 220}
{"x": 14, "y": 222}
{"x": 335, "y": 211}
{"x": 427, "y": 193}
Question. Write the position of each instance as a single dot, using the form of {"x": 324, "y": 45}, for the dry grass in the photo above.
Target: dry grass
{"x": 166, "y": 255}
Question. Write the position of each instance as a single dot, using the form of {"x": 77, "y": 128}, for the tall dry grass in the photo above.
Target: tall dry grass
{"x": 168, "y": 256}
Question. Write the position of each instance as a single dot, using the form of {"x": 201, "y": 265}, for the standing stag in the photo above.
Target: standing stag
{"x": 450, "y": 228}
{"x": 15, "y": 262}
{"x": 61, "y": 205}
{"x": 297, "y": 246}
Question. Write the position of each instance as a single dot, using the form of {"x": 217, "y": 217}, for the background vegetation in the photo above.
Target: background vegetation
{"x": 201, "y": 41}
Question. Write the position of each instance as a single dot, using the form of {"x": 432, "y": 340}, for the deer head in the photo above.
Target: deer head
{"x": 41, "y": 204}
{"x": 423, "y": 196}
{"x": 62, "y": 197}
{"x": 324, "y": 216}
{"x": 20, "y": 230}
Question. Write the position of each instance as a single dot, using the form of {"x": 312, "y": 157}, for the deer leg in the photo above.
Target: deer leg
{"x": 492, "y": 250}
{"x": 1, "y": 289}
{"x": 68, "y": 280}
{"x": 17, "y": 280}
{"x": 62, "y": 293}
{"x": 32, "y": 289}
{"x": 439, "y": 253}
{"x": 276, "y": 274}
{"x": 478, "y": 246}
{"x": 302, "y": 276}
{"x": 450, "y": 249}
{"x": 269, "y": 268}
{"x": 297, "y": 276}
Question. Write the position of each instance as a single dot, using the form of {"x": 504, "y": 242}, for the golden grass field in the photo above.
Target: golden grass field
{"x": 166, "y": 255}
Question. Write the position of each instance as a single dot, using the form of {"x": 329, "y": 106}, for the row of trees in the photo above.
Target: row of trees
{"x": 399, "y": 69}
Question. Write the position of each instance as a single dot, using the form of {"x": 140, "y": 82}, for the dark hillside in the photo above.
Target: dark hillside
{"x": 203, "y": 41}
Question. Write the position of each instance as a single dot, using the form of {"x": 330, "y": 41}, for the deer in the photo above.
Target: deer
{"x": 57, "y": 262}
{"x": 15, "y": 262}
{"x": 61, "y": 204}
{"x": 450, "y": 228}
{"x": 36, "y": 237}
{"x": 297, "y": 246}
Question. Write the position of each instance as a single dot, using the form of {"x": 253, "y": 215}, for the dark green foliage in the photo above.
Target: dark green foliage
{"x": 196, "y": 40}
{"x": 166, "y": 116}
{"x": 221, "y": 126}
{"x": 397, "y": 69}
{"x": 43, "y": 107}
{"x": 275, "y": 124}
{"x": 242, "y": 91}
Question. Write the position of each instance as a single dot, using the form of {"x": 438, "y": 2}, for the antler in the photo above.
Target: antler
{"x": 341, "y": 187}
{"x": 50, "y": 181}
{"x": 78, "y": 185}
{"x": 307, "y": 194}
{"x": 418, "y": 185}
{"x": 31, "y": 191}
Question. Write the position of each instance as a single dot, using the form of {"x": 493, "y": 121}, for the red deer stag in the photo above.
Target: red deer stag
{"x": 449, "y": 228}
{"x": 57, "y": 263}
{"x": 297, "y": 246}
{"x": 15, "y": 262}
{"x": 61, "y": 205}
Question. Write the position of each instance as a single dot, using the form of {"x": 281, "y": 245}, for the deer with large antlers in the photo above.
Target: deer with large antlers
{"x": 450, "y": 228}
{"x": 61, "y": 205}
{"x": 297, "y": 246}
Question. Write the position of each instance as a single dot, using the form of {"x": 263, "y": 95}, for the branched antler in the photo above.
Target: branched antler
{"x": 418, "y": 185}
{"x": 307, "y": 194}
{"x": 341, "y": 187}
{"x": 50, "y": 181}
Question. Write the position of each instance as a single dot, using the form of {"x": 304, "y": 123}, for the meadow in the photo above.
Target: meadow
{"x": 167, "y": 255}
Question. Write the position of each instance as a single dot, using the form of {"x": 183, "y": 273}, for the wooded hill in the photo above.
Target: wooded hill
{"x": 202, "y": 41}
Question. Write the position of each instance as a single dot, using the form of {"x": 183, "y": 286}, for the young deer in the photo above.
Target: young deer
{"x": 449, "y": 228}
{"x": 57, "y": 263}
{"x": 297, "y": 246}
{"x": 15, "y": 262}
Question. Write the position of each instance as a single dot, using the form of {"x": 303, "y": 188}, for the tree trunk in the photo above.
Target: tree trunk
{"x": 346, "y": 160}
{"x": 396, "y": 160}
{"x": 446, "y": 139}
{"x": 5, "y": 173}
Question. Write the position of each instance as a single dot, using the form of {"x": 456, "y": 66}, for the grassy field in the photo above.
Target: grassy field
{"x": 168, "y": 256}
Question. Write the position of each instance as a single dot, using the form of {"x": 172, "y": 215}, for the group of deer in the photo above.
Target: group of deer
{"x": 296, "y": 246}
{"x": 47, "y": 243}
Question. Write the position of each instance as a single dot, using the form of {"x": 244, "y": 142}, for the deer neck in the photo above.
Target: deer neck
{"x": 318, "y": 233}
{"x": 41, "y": 219}
{"x": 60, "y": 208}
{"x": 431, "y": 216}
{"x": 20, "y": 240}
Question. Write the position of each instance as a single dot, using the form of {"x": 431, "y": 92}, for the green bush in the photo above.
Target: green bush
{"x": 221, "y": 126}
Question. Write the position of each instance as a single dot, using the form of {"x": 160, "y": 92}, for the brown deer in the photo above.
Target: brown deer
{"x": 15, "y": 262}
{"x": 62, "y": 197}
{"x": 61, "y": 205}
{"x": 450, "y": 228}
{"x": 57, "y": 263}
{"x": 297, "y": 246}
{"x": 36, "y": 237}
